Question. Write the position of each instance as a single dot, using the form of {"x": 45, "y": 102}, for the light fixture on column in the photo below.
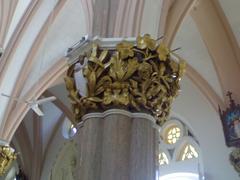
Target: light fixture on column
{"x": 139, "y": 75}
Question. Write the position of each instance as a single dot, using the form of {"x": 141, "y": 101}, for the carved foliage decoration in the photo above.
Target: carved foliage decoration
{"x": 7, "y": 156}
{"x": 141, "y": 77}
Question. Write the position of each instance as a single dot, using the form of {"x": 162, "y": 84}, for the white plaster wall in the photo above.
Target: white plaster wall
{"x": 200, "y": 116}
{"x": 231, "y": 10}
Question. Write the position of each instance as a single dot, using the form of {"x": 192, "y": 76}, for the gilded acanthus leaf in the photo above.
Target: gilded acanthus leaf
{"x": 141, "y": 77}
{"x": 163, "y": 52}
{"x": 69, "y": 83}
{"x": 125, "y": 49}
{"x": 146, "y": 42}
{"x": 103, "y": 55}
{"x": 132, "y": 66}
{"x": 117, "y": 68}
{"x": 91, "y": 83}
{"x": 182, "y": 68}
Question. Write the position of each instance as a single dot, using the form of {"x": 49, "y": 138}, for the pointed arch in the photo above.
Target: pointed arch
{"x": 184, "y": 142}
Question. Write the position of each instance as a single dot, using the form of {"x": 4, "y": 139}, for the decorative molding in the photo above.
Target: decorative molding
{"x": 119, "y": 112}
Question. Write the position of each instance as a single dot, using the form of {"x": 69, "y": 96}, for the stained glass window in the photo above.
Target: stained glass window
{"x": 173, "y": 135}
{"x": 162, "y": 159}
{"x": 189, "y": 152}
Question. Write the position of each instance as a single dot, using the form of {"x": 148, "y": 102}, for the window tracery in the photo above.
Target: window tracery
{"x": 173, "y": 135}
{"x": 188, "y": 152}
{"x": 177, "y": 145}
{"x": 163, "y": 159}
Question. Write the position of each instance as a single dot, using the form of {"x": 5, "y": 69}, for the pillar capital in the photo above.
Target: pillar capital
{"x": 138, "y": 76}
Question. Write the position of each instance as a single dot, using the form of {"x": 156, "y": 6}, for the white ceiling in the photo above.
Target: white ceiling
{"x": 68, "y": 28}
{"x": 19, "y": 11}
{"x": 194, "y": 51}
{"x": 231, "y": 9}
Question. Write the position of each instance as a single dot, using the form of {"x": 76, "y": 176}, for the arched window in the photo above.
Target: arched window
{"x": 173, "y": 134}
{"x": 188, "y": 152}
{"x": 178, "y": 145}
{"x": 163, "y": 159}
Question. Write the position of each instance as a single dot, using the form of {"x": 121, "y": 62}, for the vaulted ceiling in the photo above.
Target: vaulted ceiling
{"x": 35, "y": 34}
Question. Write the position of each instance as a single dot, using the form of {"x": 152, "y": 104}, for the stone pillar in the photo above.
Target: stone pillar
{"x": 139, "y": 75}
{"x": 117, "y": 145}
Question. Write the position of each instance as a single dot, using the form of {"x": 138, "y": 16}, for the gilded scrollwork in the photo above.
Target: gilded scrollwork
{"x": 141, "y": 77}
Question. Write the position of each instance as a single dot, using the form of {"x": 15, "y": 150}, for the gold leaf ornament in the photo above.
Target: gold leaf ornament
{"x": 145, "y": 70}
{"x": 163, "y": 52}
{"x": 134, "y": 77}
{"x": 132, "y": 66}
{"x": 125, "y": 49}
{"x": 117, "y": 68}
{"x": 146, "y": 42}
{"x": 182, "y": 68}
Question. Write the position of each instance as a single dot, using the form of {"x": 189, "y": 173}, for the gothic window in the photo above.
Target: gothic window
{"x": 162, "y": 159}
{"x": 177, "y": 144}
{"x": 188, "y": 152}
{"x": 173, "y": 134}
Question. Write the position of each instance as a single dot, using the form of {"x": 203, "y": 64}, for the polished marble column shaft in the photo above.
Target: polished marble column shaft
{"x": 117, "y": 145}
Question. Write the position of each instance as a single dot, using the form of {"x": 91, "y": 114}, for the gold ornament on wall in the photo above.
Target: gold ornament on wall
{"x": 7, "y": 156}
{"x": 140, "y": 78}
